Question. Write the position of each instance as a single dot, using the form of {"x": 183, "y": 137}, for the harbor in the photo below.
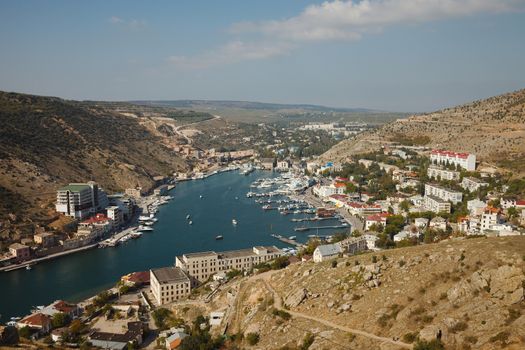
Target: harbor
{"x": 85, "y": 273}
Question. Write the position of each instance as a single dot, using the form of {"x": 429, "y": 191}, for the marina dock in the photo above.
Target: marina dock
{"x": 288, "y": 241}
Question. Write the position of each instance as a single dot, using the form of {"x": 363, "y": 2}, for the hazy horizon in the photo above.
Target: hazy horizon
{"x": 387, "y": 55}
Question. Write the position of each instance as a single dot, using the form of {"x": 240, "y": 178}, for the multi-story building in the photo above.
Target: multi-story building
{"x": 20, "y": 251}
{"x": 473, "y": 184}
{"x": 436, "y": 204}
{"x": 134, "y": 192}
{"x": 201, "y": 266}
{"x": 115, "y": 214}
{"x": 80, "y": 200}
{"x": 489, "y": 218}
{"x": 169, "y": 284}
{"x": 328, "y": 190}
{"x": 465, "y": 160}
{"x": 45, "y": 239}
{"x": 438, "y": 173}
{"x": 443, "y": 193}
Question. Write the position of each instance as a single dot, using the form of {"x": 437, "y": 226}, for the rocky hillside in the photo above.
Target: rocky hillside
{"x": 47, "y": 142}
{"x": 469, "y": 290}
{"x": 493, "y": 128}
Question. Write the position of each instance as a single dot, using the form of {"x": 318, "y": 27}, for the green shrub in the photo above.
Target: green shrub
{"x": 430, "y": 345}
{"x": 410, "y": 337}
{"x": 252, "y": 338}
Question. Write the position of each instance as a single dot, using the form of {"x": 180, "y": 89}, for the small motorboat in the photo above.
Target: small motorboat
{"x": 188, "y": 217}
{"x": 28, "y": 267}
{"x": 201, "y": 196}
{"x": 190, "y": 222}
{"x": 234, "y": 222}
{"x": 219, "y": 237}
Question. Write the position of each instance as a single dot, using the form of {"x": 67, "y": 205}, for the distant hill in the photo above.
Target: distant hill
{"x": 258, "y": 112}
{"x": 47, "y": 142}
{"x": 493, "y": 128}
{"x": 249, "y": 105}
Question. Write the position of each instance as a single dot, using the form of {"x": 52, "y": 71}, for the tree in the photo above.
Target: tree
{"x": 160, "y": 316}
{"x": 405, "y": 205}
{"x": 24, "y": 332}
{"x": 60, "y": 320}
{"x": 512, "y": 212}
{"x": 350, "y": 188}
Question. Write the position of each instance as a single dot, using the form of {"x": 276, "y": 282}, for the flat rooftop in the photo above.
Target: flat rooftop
{"x": 170, "y": 274}
{"x": 75, "y": 187}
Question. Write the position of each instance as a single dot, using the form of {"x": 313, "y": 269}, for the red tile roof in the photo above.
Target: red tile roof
{"x": 450, "y": 154}
{"x": 96, "y": 219}
{"x": 64, "y": 307}
{"x": 141, "y": 277}
{"x": 36, "y": 320}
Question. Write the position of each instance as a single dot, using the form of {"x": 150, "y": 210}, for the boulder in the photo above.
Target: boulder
{"x": 296, "y": 298}
{"x": 506, "y": 284}
{"x": 429, "y": 333}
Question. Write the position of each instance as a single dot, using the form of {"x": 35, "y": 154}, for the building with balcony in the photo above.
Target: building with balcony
{"x": 81, "y": 200}
{"x": 201, "y": 266}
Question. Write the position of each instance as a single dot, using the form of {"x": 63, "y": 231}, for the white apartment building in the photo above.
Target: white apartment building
{"x": 327, "y": 191}
{"x": 465, "y": 160}
{"x": 443, "y": 193}
{"x": 473, "y": 184}
{"x": 80, "y": 200}
{"x": 283, "y": 165}
{"x": 476, "y": 207}
{"x": 436, "y": 204}
{"x": 201, "y": 266}
{"x": 115, "y": 213}
{"x": 489, "y": 218}
{"x": 436, "y": 172}
{"x": 169, "y": 284}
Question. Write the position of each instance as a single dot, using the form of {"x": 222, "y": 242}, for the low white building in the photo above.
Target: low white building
{"x": 421, "y": 222}
{"x": 438, "y": 223}
{"x": 473, "y": 184}
{"x": 476, "y": 207}
{"x": 327, "y": 252}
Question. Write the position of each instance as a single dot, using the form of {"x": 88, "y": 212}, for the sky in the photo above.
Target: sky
{"x": 392, "y": 55}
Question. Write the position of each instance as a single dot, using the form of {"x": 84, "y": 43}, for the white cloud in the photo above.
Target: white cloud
{"x": 115, "y": 20}
{"x": 342, "y": 20}
{"x": 232, "y": 52}
{"x": 127, "y": 24}
{"x": 337, "y": 20}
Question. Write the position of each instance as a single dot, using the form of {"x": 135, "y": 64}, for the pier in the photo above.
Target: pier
{"x": 306, "y": 228}
{"x": 288, "y": 241}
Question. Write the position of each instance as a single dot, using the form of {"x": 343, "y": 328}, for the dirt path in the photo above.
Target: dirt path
{"x": 178, "y": 129}
{"x": 278, "y": 303}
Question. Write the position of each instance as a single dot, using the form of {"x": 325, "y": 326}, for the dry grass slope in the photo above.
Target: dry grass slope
{"x": 493, "y": 128}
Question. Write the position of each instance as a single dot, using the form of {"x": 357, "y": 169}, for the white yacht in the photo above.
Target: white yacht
{"x": 234, "y": 222}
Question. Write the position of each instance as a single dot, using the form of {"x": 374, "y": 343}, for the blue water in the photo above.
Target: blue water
{"x": 84, "y": 274}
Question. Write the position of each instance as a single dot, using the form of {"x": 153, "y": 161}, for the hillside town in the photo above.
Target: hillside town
{"x": 394, "y": 198}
